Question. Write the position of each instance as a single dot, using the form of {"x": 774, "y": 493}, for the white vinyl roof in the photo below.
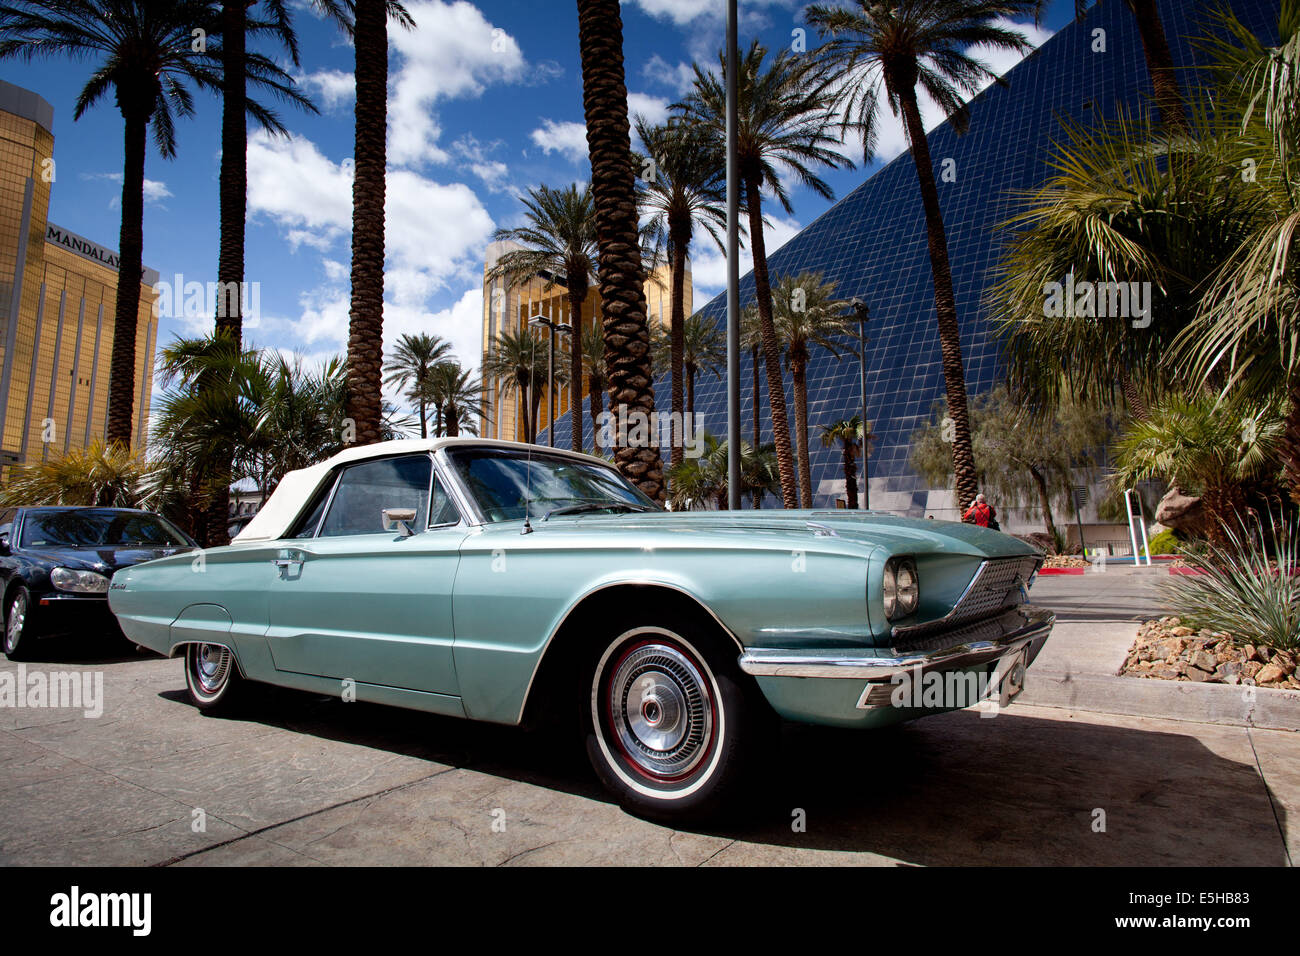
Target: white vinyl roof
{"x": 297, "y": 487}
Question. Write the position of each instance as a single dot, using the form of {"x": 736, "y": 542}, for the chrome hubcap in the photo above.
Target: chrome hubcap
{"x": 211, "y": 667}
{"x": 661, "y": 710}
{"x": 17, "y": 617}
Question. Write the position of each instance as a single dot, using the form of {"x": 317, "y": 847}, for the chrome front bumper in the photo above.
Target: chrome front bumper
{"x": 1014, "y": 636}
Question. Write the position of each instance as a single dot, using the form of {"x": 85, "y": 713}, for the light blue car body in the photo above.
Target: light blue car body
{"x": 457, "y": 620}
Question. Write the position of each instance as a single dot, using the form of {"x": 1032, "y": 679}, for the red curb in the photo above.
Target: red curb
{"x": 1063, "y": 571}
{"x": 1185, "y": 570}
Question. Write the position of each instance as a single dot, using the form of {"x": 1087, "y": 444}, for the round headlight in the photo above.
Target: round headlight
{"x": 902, "y": 588}
{"x": 80, "y": 582}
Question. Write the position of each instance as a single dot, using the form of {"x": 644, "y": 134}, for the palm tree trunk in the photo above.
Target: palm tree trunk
{"x": 945, "y": 307}
{"x": 771, "y": 351}
{"x": 366, "y": 319}
{"x": 1291, "y": 441}
{"x": 690, "y": 388}
{"x": 1045, "y": 500}
{"x": 524, "y": 405}
{"x": 424, "y": 414}
{"x": 576, "y": 301}
{"x": 130, "y": 244}
{"x": 1160, "y": 64}
{"x": 677, "y": 330}
{"x": 758, "y": 418}
{"x": 452, "y": 418}
{"x": 233, "y": 202}
{"x": 850, "y": 477}
{"x": 613, "y": 189}
{"x": 799, "y": 372}
{"x": 597, "y": 401}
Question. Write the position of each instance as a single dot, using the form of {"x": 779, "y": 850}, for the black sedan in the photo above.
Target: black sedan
{"x": 56, "y": 565}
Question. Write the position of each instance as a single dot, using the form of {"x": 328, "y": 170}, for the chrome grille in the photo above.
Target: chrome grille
{"x": 995, "y": 587}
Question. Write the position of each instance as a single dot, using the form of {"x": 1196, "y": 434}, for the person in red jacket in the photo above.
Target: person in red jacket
{"x": 981, "y": 513}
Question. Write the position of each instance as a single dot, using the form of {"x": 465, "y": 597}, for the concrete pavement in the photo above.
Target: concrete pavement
{"x": 301, "y": 779}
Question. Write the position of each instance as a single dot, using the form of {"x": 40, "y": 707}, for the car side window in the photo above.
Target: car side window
{"x": 444, "y": 510}
{"x": 366, "y": 489}
{"x": 306, "y": 526}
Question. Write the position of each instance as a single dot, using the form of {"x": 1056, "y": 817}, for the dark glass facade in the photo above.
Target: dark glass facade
{"x": 872, "y": 244}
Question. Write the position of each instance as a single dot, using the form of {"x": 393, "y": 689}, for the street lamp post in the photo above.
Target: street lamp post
{"x": 861, "y": 314}
{"x": 541, "y": 321}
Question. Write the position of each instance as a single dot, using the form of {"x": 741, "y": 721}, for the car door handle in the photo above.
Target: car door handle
{"x": 288, "y": 561}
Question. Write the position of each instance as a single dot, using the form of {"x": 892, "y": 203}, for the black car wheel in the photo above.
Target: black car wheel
{"x": 19, "y": 626}
{"x": 211, "y": 676}
{"x": 670, "y": 720}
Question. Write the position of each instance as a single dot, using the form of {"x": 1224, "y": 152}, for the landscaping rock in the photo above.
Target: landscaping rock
{"x": 1168, "y": 649}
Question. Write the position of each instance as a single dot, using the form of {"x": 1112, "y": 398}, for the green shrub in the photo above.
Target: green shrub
{"x": 1166, "y": 542}
{"x": 1241, "y": 590}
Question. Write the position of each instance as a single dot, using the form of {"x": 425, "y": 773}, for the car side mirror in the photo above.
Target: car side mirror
{"x": 399, "y": 519}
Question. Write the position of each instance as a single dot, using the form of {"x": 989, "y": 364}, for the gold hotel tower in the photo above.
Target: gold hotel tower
{"x": 508, "y": 308}
{"x": 58, "y": 291}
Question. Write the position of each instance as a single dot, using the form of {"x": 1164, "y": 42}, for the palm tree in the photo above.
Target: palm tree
{"x": 1116, "y": 209}
{"x": 848, "y": 432}
{"x": 751, "y": 339}
{"x": 613, "y": 187}
{"x": 106, "y": 476}
{"x": 700, "y": 482}
{"x": 1248, "y": 329}
{"x": 518, "y": 361}
{"x": 148, "y": 63}
{"x": 238, "y": 65}
{"x": 412, "y": 363}
{"x": 784, "y": 127}
{"x": 687, "y": 186}
{"x": 704, "y": 349}
{"x": 559, "y": 240}
{"x": 593, "y": 371}
{"x": 806, "y": 314}
{"x": 366, "y": 317}
{"x": 454, "y": 394}
{"x": 1200, "y": 445}
{"x": 900, "y": 47}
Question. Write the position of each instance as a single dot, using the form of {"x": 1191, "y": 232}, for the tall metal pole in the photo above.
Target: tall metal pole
{"x": 550, "y": 388}
{"x": 862, "y": 371}
{"x": 733, "y": 270}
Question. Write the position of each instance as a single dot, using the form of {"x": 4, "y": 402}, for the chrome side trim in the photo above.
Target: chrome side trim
{"x": 638, "y": 582}
{"x": 1021, "y": 626}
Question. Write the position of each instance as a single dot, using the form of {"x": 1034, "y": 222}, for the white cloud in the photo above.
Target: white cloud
{"x": 336, "y": 88}
{"x": 301, "y": 189}
{"x": 679, "y": 78}
{"x": 155, "y": 191}
{"x": 709, "y": 263}
{"x": 453, "y": 52}
{"x": 568, "y": 139}
{"x": 653, "y": 109}
{"x": 686, "y": 12}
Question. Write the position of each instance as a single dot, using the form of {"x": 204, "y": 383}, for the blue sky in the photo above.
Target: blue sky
{"x": 485, "y": 101}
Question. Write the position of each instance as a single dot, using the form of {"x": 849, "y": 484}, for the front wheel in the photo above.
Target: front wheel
{"x": 211, "y": 676}
{"x": 19, "y": 627}
{"x": 669, "y": 720}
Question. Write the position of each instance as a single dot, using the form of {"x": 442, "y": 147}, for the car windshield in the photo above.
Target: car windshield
{"x": 505, "y": 483}
{"x": 91, "y": 528}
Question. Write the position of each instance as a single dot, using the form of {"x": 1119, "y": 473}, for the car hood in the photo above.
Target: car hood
{"x": 104, "y": 560}
{"x": 871, "y": 528}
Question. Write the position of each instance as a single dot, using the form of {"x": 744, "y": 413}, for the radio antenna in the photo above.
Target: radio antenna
{"x": 528, "y": 460}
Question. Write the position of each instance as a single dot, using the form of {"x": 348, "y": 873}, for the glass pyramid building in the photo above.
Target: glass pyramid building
{"x": 872, "y": 244}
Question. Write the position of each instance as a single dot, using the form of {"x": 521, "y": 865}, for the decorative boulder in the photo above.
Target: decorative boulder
{"x": 1183, "y": 513}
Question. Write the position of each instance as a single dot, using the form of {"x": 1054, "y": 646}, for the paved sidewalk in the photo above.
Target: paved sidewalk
{"x": 1097, "y": 615}
{"x": 308, "y": 780}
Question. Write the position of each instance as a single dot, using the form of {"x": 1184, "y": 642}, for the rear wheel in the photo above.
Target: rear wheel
{"x": 669, "y": 720}
{"x": 19, "y": 625}
{"x": 211, "y": 677}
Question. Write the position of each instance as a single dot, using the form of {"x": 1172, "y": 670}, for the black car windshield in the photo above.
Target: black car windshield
{"x": 94, "y": 528}
{"x": 504, "y": 482}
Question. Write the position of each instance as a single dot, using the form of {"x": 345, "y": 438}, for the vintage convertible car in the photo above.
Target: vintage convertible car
{"x": 501, "y": 582}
